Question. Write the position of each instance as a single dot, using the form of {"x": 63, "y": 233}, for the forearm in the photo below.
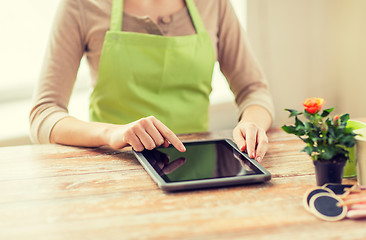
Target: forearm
{"x": 258, "y": 115}
{"x": 71, "y": 131}
{"x": 145, "y": 133}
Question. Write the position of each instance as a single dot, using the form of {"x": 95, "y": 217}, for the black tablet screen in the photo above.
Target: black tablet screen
{"x": 201, "y": 161}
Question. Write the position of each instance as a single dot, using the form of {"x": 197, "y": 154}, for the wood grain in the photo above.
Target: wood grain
{"x": 62, "y": 192}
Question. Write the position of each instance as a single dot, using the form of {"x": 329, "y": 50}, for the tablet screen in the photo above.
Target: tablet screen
{"x": 202, "y": 160}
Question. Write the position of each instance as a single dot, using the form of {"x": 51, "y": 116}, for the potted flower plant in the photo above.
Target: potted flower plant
{"x": 327, "y": 139}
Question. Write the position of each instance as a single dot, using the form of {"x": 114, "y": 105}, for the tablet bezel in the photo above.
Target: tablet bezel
{"x": 206, "y": 183}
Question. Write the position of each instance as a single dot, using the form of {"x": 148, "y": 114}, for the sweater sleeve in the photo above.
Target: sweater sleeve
{"x": 60, "y": 65}
{"x": 238, "y": 64}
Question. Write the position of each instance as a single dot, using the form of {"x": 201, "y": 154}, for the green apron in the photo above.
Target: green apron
{"x": 144, "y": 75}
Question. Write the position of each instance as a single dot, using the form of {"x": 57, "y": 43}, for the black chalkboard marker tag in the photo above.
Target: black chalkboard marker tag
{"x": 340, "y": 189}
{"x": 311, "y": 192}
{"x": 325, "y": 206}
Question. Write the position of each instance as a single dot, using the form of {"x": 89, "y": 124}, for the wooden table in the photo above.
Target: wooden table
{"x": 61, "y": 192}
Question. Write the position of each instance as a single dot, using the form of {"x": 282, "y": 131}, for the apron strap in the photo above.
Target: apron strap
{"x": 117, "y": 16}
{"x": 195, "y": 16}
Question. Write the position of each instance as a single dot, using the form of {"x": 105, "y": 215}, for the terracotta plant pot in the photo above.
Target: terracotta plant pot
{"x": 328, "y": 172}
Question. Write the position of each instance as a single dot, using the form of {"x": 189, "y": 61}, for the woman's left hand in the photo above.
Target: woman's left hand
{"x": 250, "y": 133}
{"x": 252, "y": 138}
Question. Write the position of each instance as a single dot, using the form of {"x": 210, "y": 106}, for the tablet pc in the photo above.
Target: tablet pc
{"x": 209, "y": 163}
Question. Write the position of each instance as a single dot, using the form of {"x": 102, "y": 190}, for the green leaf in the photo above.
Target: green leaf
{"x": 327, "y": 152}
{"x": 344, "y": 118}
{"x": 307, "y": 140}
{"x": 293, "y": 112}
{"x": 298, "y": 122}
{"x": 308, "y": 115}
{"x": 293, "y": 130}
{"x": 331, "y": 133}
{"x": 289, "y": 129}
{"x": 326, "y": 112}
{"x": 347, "y": 140}
{"x": 308, "y": 149}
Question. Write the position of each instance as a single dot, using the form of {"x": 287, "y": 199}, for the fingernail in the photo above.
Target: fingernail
{"x": 258, "y": 159}
{"x": 242, "y": 148}
{"x": 183, "y": 148}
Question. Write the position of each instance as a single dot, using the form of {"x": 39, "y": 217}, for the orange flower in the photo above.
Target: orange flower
{"x": 313, "y": 105}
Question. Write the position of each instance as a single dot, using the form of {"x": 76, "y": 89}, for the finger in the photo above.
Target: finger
{"x": 134, "y": 141}
{"x": 144, "y": 137}
{"x": 239, "y": 139}
{"x": 160, "y": 164}
{"x": 251, "y": 138}
{"x": 166, "y": 158}
{"x": 174, "y": 165}
{"x": 150, "y": 128}
{"x": 262, "y": 146}
{"x": 165, "y": 144}
{"x": 162, "y": 159}
{"x": 169, "y": 135}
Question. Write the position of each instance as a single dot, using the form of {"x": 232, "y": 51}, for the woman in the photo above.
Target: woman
{"x": 151, "y": 73}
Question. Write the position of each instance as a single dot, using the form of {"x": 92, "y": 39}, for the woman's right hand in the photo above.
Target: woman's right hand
{"x": 146, "y": 133}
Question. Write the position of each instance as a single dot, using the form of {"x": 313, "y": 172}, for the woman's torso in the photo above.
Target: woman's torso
{"x": 97, "y": 21}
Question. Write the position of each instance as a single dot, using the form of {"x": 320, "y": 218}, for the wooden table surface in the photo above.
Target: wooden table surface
{"x": 61, "y": 192}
